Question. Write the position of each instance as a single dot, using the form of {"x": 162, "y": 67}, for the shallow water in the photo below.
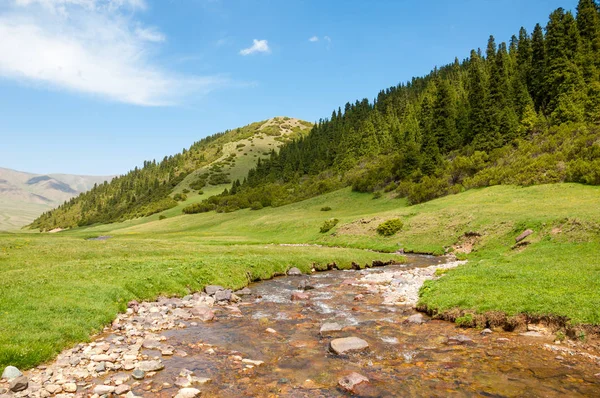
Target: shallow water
{"x": 403, "y": 359}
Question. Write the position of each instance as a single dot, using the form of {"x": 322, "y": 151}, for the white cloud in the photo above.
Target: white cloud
{"x": 150, "y": 34}
{"x": 92, "y": 47}
{"x": 258, "y": 46}
{"x": 313, "y": 39}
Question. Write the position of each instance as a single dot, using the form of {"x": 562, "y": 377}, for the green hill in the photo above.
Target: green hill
{"x": 173, "y": 183}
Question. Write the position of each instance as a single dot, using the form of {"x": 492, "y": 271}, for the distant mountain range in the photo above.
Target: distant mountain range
{"x": 24, "y": 196}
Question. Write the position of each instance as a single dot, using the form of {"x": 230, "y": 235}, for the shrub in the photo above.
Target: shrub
{"x": 389, "y": 227}
{"x": 256, "y": 206}
{"x": 326, "y": 208}
{"x": 377, "y": 195}
{"x": 186, "y": 191}
{"x": 162, "y": 217}
{"x": 180, "y": 197}
{"x": 327, "y": 225}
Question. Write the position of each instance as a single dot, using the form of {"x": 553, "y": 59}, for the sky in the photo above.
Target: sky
{"x": 95, "y": 87}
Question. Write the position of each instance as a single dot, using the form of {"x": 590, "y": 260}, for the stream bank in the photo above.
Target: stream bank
{"x": 322, "y": 335}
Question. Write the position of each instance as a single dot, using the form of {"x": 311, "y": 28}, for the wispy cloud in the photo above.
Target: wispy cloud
{"x": 91, "y": 46}
{"x": 258, "y": 46}
{"x": 313, "y": 39}
{"x": 150, "y": 34}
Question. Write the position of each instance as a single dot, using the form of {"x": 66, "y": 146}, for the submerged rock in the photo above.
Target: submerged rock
{"x": 10, "y": 372}
{"x": 244, "y": 292}
{"x": 460, "y": 339}
{"x": 299, "y": 296}
{"x": 330, "y": 327}
{"x": 151, "y": 366}
{"x": 352, "y": 380}
{"x": 138, "y": 374}
{"x": 348, "y": 344}
{"x": 416, "y": 319}
{"x": 188, "y": 393}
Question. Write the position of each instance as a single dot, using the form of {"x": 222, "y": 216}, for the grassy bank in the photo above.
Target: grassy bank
{"x": 58, "y": 289}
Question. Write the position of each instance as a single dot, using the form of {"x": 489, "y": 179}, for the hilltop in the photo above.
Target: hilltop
{"x": 24, "y": 196}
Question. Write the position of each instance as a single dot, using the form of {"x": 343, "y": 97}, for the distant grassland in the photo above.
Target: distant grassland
{"x": 58, "y": 289}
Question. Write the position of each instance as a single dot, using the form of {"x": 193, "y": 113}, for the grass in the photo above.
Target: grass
{"x": 57, "y": 289}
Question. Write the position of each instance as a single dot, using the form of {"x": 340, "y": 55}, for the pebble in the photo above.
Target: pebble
{"x": 54, "y": 388}
{"x": 269, "y": 330}
{"x": 122, "y": 389}
{"x": 104, "y": 389}
{"x": 348, "y": 344}
{"x": 69, "y": 387}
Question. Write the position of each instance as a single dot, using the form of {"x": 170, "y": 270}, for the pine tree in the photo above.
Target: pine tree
{"x": 537, "y": 74}
{"x": 478, "y": 93}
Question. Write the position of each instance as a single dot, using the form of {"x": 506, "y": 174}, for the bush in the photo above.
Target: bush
{"x": 256, "y": 206}
{"x": 162, "y": 217}
{"x": 389, "y": 227}
{"x": 186, "y": 191}
{"x": 327, "y": 225}
{"x": 326, "y": 208}
{"x": 377, "y": 195}
{"x": 180, "y": 197}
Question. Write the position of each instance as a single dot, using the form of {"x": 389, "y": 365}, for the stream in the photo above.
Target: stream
{"x": 269, "y": 345}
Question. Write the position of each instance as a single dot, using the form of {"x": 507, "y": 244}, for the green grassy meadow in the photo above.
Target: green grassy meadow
{"x": 58, "y": 289}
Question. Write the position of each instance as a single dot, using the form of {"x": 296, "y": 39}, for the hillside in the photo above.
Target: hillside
{"x": 535, "y": 98}
{"x": 206, "y": 168}
{"x": 24, "y": 196}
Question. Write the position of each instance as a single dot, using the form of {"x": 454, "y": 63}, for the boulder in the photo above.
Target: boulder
{"x": 212, "y": 289}
{"x": 523, "y": 235}
{"x": 294, "y": 272}
{"x": 350, "y": 381}
{"x": 10, "y": 372}
{"x": 348, "y": 344}
{"x": 223, "y": 295}
{"x": 18, "y": 384}
{"x": 188, "y": 393}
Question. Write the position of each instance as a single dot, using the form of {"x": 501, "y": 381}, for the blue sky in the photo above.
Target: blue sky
{"x": 98, "y": 86}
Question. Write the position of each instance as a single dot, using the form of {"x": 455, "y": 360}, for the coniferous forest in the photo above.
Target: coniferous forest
{"x": 524, "y": 112}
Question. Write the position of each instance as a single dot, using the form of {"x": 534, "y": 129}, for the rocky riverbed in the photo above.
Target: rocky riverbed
{"x": 328, "y": 334}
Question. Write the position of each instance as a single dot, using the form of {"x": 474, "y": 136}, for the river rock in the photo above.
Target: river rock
{"x": 294, "y": 272}
{"x": 523, "y": 235}
{"x": 102, "y": 358}
{"x": 486, "y": 331}
{"x": 460, "y": 339}
{"x": 244, "y": 292}
{"x": 138, "y": 374}
{"x": 10, "y": 372}
{"x": 352, "y": 380}
{"x": 188, "y": 393}
{"x": 348, "y": 344}
{"x": 18, "y": 384}
{"x": 151, "y": 366}
{"x": 304, "y": 285}
{"x": 104, "y": 389}
{"x": 212, "y": 289}
{"x": 204, "y": 313}
{"x": 69, "y": 387}
{"x": 416, "y": 319}
{"x": 330, "y": 327}
{"x": 122, "y": 389}
{"x": 223, "y": 295}
{"x": 299, "y": 296}
{"x": 55, "y": 388}
{"x": 130, "y": 394}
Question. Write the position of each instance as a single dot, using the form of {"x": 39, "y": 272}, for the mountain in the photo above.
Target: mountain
{"x": 24, "y": 196}
{"x": 205, "y": 169}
